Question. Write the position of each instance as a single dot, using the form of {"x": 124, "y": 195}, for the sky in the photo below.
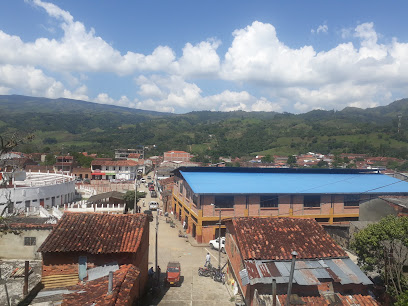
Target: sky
{"x": 186, "y": 55}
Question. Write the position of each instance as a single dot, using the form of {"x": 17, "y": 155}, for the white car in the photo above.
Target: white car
{"x": 142, "y": 180}
{"x": 214, "y": 244}
{"x": 153, "y": 205}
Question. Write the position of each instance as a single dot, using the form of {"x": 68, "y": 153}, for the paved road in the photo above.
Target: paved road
{"x": 194, "y": 290}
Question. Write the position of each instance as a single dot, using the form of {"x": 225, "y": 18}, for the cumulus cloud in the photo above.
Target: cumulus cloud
{"x": 361, "y": 71}
{"x": 32, "y": 81}
{"x": 323, "y": 28}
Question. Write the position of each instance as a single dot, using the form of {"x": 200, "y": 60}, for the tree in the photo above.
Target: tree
{"x": 322, "y": 164}
{"x": 129, "y": 198}
{"x": 291, "y": 160}
{"x": 268, "y": 159}
{"x": 383, "y": 247}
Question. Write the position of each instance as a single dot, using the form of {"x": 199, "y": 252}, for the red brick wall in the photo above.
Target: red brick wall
{"x": 235, "y": 260}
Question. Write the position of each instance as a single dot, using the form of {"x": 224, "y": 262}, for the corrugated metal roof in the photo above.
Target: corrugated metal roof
{"x": 292, "y": 183}
{"x": 307, "y": 272}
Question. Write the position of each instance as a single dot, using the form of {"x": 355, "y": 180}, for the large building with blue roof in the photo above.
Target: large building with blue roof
{"x": 327, "y": 195}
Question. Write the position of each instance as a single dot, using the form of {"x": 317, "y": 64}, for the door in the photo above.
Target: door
{"x": 82, "y": 262}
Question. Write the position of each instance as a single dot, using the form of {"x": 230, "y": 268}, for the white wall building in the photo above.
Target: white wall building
{"x": 30, "y": 190}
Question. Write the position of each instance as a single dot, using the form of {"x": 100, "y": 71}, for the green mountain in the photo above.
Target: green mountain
{"x": 86, "y": 126}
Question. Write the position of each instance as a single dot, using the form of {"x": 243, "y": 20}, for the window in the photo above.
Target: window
{"x": 181, "y": 187}
{"x": 195, "y": 199}
{"x": 311, "y": 201}
{"x": 30, "y": 240}
{"x": 224, "y": 201}
{"x": 269, "y": 200}
{"x": 352, "y": 200}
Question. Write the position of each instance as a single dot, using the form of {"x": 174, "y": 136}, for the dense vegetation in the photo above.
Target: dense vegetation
{"x": 85, "y": 126}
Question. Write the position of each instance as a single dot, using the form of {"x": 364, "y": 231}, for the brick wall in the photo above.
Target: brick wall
{"x": 235, "y": 261}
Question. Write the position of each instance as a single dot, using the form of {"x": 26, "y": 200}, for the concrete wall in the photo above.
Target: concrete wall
{"x": 375, "y": 210}
{"x": 12, "y": 245}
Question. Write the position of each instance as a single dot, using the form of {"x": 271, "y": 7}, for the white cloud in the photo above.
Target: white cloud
{"x": 200, "y": 60}
{"x": 362, "y": 71}
{"x": 323, "y": 28}
{"x": 32, "y": 81}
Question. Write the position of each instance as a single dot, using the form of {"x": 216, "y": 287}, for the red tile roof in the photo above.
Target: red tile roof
{"x": 356, "y": 299}
{"x": 96, "y": 233}
{"x": 95, "y": 292}
{"x": 276, "y": 238}
{"x": 129, "y": 162}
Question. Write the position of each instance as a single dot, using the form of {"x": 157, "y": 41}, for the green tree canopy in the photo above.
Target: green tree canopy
{"x": 383, "y": 247}
{"x": 129, "y": 198}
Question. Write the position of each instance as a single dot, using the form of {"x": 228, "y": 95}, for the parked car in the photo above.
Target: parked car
{"x": 142, "y": 180}
{"x": 214, "y": 244}
{"x": 149, "y": 177}
{"x": 173, "y": 273}
{"x": 151, "y": 188}
{"x": 150, "y": 214}
{"x": 153, "y": 205}
{"x": 153, "y": 194}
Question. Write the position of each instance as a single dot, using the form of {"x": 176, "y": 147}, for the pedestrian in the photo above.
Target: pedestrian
{"x": 158, "y": 271}
{"x": 143, "y": 203}
{"x": 184, "y": 224}
{"x": 151, "y": 272}
{"x": 207, "y": 260}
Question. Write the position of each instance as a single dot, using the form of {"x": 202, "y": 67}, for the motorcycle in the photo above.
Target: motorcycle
{"x": 219, "y": 276}
{"x": 206, "y": 271}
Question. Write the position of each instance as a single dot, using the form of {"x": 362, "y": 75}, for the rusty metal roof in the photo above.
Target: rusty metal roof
{"x": 307, "y": 272}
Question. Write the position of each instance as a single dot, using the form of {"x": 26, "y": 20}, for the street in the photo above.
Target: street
{"x": 194, "y": 289}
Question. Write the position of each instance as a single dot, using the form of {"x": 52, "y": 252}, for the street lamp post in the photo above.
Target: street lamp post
{"x": 219, "y": 238}
{"x": 157, "y": 270}
{"x": 135, "y": 203}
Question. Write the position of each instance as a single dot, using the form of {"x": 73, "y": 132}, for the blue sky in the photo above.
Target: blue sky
{"x": 180, "y": 56}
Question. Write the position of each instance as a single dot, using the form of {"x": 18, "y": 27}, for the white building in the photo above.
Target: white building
{"x": 29, "y": 190}
{"x": 103, "y": 169}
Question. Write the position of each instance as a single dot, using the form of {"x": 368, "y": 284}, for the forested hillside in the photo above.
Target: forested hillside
{"x": 85, "y": 126}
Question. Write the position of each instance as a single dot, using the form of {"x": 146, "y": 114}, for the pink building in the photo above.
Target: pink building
{"x": 177, "y": 156}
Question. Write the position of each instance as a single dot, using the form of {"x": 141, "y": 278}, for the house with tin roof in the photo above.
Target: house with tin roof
{"x": 330, "y": 196}
{"x": 86, "y": 246}
{"x": 260, "y": 251}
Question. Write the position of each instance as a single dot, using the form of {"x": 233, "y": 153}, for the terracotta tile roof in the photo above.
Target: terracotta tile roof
{"x": 95, "y": 292}
{"x": 114, "y": 163}
{"x": 356, "y": 299}
{"x": 96, "y": 233}
{"x": 276, "y": 238}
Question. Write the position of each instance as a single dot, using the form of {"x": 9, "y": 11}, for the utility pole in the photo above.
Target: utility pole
{"x": 135, "y": 203}
{"x": 219, "y": 243}
{"x": 292, "y": 271}
{"x": 157, "y": 267}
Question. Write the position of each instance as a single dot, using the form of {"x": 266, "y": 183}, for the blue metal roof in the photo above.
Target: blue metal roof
{"x": 292, "y": 183}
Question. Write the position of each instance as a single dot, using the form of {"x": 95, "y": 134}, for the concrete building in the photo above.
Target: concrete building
{"x": 23, "y": 237}
{"x": 124, "y": 153}
{"x": 105, "y": 169}
{"x": 176, "y": 156}
{"x": 261, "y": 249}
{"x": 30, "y": 190}
{"x": 326, "y": 195}
{"x": 64, "y": 163}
